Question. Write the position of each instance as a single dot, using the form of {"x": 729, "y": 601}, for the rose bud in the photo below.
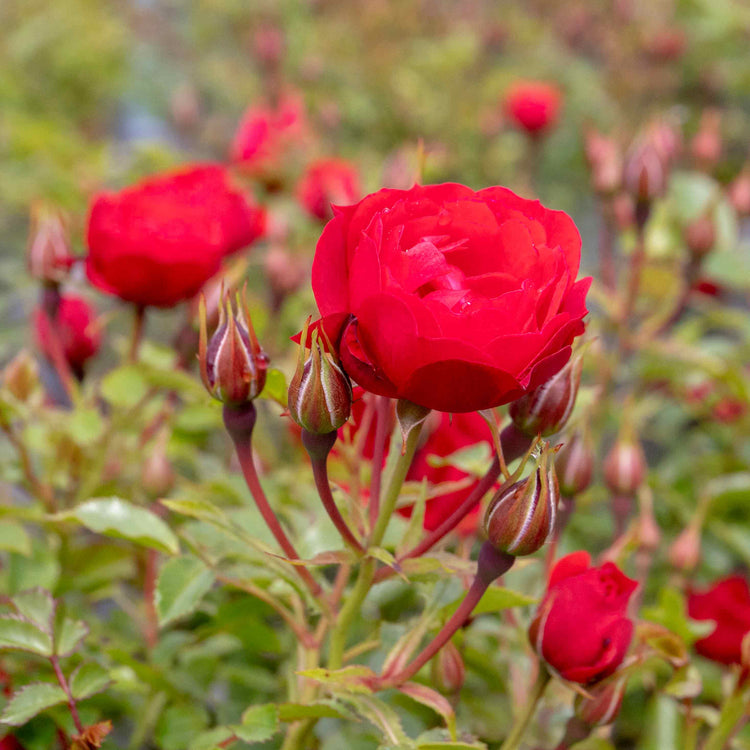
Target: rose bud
{"x": 706, "y": 145}
{"x": 320, "y": 394}
{"x": 625, "y": 467}
{"x": 645, "y": 173}
{"x": 157, "y": 474}
{"x": 739, "y": 193}
{"x": 49, "y": 256}
{"x": 727, "y": 603}
{"x": 327, "y": 183}
{"x": 77, "y": 330}
{"x": 448, "y": 670}
{"x": 685, "y": 552}
{"x": 581, "y": 628}
{"x": 574, "y": 465}
{"x": 21, "y": 375}
{"x": 521, "y": 518}
{"x": 700, "y": 236}
{"x": 605, "y": 162}
{"x": 546, "y": 409}
{"x": 533, "y": 105}
{"x": 603, "y": 705}
{"x": 233, "y": 366}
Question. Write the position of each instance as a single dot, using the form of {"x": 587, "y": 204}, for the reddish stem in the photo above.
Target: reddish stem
{"x": 239, "y": 422}
{"x": 137, "y": 335}
{"x": 55, "y": 661}
{"x": 382, "y": 409}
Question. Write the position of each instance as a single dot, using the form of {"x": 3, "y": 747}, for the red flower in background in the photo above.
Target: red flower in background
{"x": 158, "y": 242}
{"x": 727, "y": 602}
{"x": 326, "y": 182}
{"x": 453, "y": 299}
{"x": 581, "y": 628}
{"x": 77, "y": 329}
{"x": 266, "y": 133}
{"x": 533, "y": 105}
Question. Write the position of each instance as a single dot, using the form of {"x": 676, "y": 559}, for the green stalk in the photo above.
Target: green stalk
{"x": 730, "y": 719}
{"x": 513, "y": 740}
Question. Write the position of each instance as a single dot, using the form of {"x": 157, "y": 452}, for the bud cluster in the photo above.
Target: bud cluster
{"x": 233, "y": 366}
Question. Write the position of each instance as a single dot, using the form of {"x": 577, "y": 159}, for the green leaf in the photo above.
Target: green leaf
{"x": 19, "y": 634}
{"x": 352, "y": 678}
{"x": 275, "y": 388}
{"x": 259, "y": 723}
{"x": 211, "y": 739}
{"x": 183, "y": 582}
{"x": 29, "y": 701}
{"x": 36, "y": 605}
{"x": 671, "y": 613}
{"x": 495, "y": 599}
{"x": 120, "y": 519}
{"x": 124, "y": 387}
{"x": 432, "y": 699}
{"x": 201, "y": 509}
{"x": 179, "y": 723}
{"x": 88, "y": 679}
{"x": 14, "y": 538}
{"x": 318, "y": 710}
{"x": 85, "y": 427}
{"x": 68, "y": 635}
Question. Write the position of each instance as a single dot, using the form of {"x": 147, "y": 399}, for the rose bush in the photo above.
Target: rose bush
{"x": 158, "y": 242}
{"x": 727, "y": 603}
{"x": 581, "y": 628}
{"x": 453, "y": 299}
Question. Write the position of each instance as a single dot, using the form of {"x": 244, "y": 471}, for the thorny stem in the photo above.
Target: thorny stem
{"x": 55, "y": 661}
{"x": 382, "y": 407}
{"x": 239, "y": 422}
{"x": 367, "y": 569}
{"x": 139, "y": 320}
{"x": 318, "y": 447}
{"x": 492, "y": 564}
{"x": 513, "y": 740}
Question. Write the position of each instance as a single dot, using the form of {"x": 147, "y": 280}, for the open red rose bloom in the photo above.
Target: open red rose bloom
{"x": 581, "y": 628}
{"x": 453, "y": 299}
{"x": 158, "y": 242}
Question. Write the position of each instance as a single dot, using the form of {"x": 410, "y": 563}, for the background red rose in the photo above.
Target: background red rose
{"x": 581, "y": 628}
{"x": 326, "y": 182}
{"x": 76, "y": 327}
{"x": 158, "y": 242}
{"x": 454, "y": 299}
{"x": 727, "y": 602}
{"x": 533, "y": 105}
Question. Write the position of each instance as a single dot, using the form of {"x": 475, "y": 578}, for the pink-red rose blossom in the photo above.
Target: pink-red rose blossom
{"x": 533, "y": 105}
{"x": 581, "y": 628}
{"x": 328, "y": 182}
{"x": 76, "y": 327}
{"x": 158, "y": 242}
{"x": 453, "y": 299}
{"x": 727, "y": 603}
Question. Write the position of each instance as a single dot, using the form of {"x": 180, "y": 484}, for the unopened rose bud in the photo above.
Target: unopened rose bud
{"x": 700, "y": 236}
{"x": 685, "y": 551}
{"x": 667, "y": 140}
{"x": 625, "y": 467}
{"x": 605, "y": 161}
{"x": 233, "y": 366}
{"x": 521, "y": 518}
{"x": 645, "y": 175}
{"x": 603, "y": 705}
{"x": 320, "y": 394}
{"x": 49, "y": 256}
{"x": 706, "y": 145}
{"x": 448, "y": 670}
{"x": 157, "y": 474}
{"x": 21, "y": 375}
{"x": 739, "y": 193}
{"x": 574, "y": 465}
{"x": 546, "y": 409}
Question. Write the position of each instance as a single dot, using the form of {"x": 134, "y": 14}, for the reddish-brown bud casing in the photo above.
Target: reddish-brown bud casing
{"x": 604, "y": 705}
{"x": 625, "y": 467}
{"x": 574, "y": 465}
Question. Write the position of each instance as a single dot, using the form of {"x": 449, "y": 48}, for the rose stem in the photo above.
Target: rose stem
{"x": 733, "y": 715}
{"x": 514, "y": 445}
{"x": 513, "y": 740}
{"x": 637, "y": 261}
{"x": 139, "y": 320}
{"x": 381, "y": 436}
{"x": 366, "y": 573}
{"x": 55, "y": 661}
{"x": 491, "y": 565}
{"x": 318, "y": 447}
{"x": 239, "y": 422}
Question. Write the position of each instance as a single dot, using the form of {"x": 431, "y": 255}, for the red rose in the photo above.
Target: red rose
{"x": 158, "y": 242}
{"x": 533, "y": 105}
{"x": 326, "y": 182}
{"x": 453, "y": 299}
{"x": 77, "y": 328}
{"x": 727, "y": 602}
{"x": 581, "y": 628}
{"x": 265, "y": 133}
{"x": 451, "y": 434}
